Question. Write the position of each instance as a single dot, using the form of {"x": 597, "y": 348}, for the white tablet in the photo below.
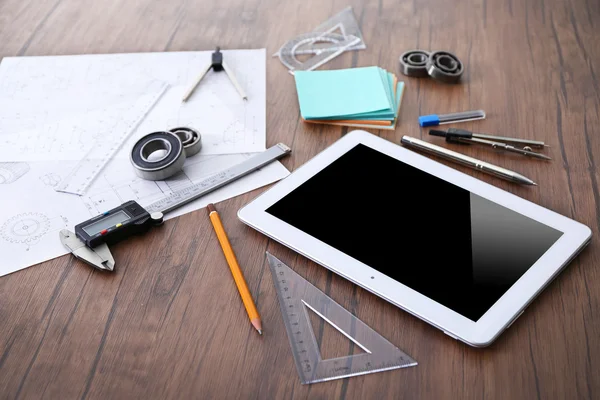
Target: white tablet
{"x": 457, "y": 252}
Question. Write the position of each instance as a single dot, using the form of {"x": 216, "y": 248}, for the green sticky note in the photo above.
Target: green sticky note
{"x": 388, "y": 87}
{"x": 339, "y": 94}
{"x": 399, "y": 92}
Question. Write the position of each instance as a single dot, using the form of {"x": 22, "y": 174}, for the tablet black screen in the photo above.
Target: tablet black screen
{"x": 455, "y": 247}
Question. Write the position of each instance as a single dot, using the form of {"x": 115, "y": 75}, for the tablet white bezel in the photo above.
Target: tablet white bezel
{"x": 497, "y": 318}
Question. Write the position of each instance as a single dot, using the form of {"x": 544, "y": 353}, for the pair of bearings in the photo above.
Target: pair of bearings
{"x": 176, "y": 145}
{"x": 440, "y": 65}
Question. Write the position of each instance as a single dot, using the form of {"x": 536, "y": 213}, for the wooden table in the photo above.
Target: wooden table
{"x": 169, "y": 324}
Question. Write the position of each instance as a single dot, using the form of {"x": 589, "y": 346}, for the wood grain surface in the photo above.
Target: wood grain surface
{"x": 169, "y": 322}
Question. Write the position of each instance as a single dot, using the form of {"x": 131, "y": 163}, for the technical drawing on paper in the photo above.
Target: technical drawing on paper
{"x": 50, "y": 179}
{"x": 61, "y": 95}
{"x": 28, "y": 228}
{"x": 71, "y": 138}
{"x": 10, "y": 172}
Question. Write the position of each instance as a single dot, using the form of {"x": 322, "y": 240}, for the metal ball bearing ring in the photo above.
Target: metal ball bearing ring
{"x": 413, "y": 63}
{"x": 444, "y": 67}
{"x": 158, "y": 168}
{"x": 192, "y": 142}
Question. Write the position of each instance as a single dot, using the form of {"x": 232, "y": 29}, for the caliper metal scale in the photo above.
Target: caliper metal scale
{"x": 90, "y": 241}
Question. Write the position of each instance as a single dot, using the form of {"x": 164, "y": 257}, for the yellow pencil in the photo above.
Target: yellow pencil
{"x": 238, "y": 276}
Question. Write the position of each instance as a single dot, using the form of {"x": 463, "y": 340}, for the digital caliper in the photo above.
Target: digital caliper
{"x": 92, "y": 237}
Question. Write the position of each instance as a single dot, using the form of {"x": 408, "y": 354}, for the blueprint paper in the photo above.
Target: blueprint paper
{"x": 33, "y": 213}
{"x": 36, "y": 92}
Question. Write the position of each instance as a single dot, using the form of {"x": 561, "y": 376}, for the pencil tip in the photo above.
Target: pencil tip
{"x": 257, "y": 325}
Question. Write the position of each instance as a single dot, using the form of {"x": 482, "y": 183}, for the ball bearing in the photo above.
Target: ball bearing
{"x": 414, "y": 63}
{"x": 444, "y": 67}
{"x": 192, "y": 142}
{"x": 157, "y": 168}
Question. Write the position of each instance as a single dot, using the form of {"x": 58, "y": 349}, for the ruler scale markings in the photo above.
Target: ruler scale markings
{"x": 296, "y": 296}
{"x": 220, "y": 179}
{"x": 88, "y": 168}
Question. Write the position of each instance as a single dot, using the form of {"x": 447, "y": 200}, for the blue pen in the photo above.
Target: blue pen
{"x": 434, "y": 119}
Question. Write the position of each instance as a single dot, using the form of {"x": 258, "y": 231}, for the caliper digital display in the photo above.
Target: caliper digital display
{"x": 106, "y": 223}
{"x": 125, "y": 220}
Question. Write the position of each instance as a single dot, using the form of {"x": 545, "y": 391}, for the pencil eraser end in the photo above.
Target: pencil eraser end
{"x": 429, "y": 120}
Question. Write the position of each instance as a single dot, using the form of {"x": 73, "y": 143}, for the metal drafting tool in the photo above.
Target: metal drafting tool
{"x": 454, "y": 135}
{"x": 471, "y": 162}
{"x": 91, "y": 237}
{"x": 338, "y": 34}
{"x": 536, "y": 144}
{"x": 217, "y": 64}
{"x": 88, "y": 168}
{"x": 100, "y": 257}
{"x": 297, "y": 297}
{"x": 435, "y": 119}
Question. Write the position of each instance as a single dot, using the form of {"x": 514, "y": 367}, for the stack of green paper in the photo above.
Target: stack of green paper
{"x": 363, "y": 97}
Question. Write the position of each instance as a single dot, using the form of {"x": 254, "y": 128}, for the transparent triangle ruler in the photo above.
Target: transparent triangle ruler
{"x": 87, "y": 169}
{"x": 293, "y": 48}
{"x": 336, "y": 35}
{"x": 296, "y": 297}
{"x": 346, "y": 23}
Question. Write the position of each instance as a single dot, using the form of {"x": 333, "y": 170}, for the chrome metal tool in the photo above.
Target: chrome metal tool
{"x": 297, "y": 297}
{"x": 217, "y": 64}
{"x": 463, "y": 136}
{"x": 92, "y": 237}
{"x": 100, "y": 257}
{"x": 470, "y": 162}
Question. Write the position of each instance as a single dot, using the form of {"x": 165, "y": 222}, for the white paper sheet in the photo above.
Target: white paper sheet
{"x": 37, "y": 92}
{"x": 32, "y": 213}
{"x": 71, "y": 138}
